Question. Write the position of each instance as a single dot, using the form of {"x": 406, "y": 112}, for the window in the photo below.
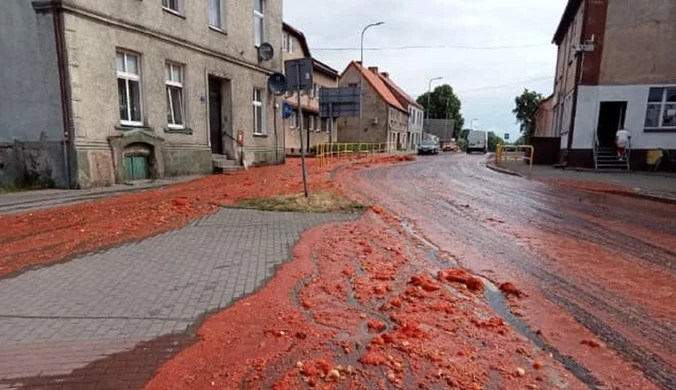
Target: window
{"x": 174, "y": 6}
{"x": 258, "y": 118}
{"x": 175, "y": 96}
{"x": 259, "y": 22}
{"x": 353, "y": 85}
{"x": 287, "y": 43}
{"x": 216, "y": 13}
{"x": 661, "y": 112}
{"x": 129, "y": 88}
{"x": 293, "y": 120}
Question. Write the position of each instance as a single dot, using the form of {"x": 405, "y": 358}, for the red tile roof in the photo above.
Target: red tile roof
{"x": 404, "y": 98}
{"x": 379, "y": 85}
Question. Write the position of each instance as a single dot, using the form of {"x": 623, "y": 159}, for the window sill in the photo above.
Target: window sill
{"x": 660, "y": 130}
{"x": 173, "y": 12}
{"x": 218, "y": 30}
{"x": 123, "y": 127}
{"x": 260, "y": 135}
{"x": 178, "y": 130}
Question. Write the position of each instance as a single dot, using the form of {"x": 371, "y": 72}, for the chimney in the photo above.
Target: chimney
{"x": 373, "y": 69}
{"x": 386, "y": 75}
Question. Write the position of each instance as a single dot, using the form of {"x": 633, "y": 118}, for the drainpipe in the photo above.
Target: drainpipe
{"x": 64, "y": 85}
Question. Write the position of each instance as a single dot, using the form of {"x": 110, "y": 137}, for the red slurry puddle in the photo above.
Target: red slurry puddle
{"x": 51, "y": 235}
{"x": 362, "y": 306}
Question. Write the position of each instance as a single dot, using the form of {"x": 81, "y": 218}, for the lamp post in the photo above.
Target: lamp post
{"x": 361, "y": 74}
{"x": 429, "y": 95}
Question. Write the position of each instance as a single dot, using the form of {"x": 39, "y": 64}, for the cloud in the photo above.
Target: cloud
{"x": 482, "y": 23}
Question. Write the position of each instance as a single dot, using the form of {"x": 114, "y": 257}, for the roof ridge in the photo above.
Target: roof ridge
{"x": 378, "y": 85}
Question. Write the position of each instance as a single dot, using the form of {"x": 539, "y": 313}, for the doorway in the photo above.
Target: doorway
{"x": 611, "y": 118}
{"x": 216, "y": 115}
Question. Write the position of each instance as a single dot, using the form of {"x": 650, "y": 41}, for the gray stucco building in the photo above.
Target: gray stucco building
{"x": 103, "y": 92}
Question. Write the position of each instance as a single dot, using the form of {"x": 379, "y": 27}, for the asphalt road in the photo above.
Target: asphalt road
{"x": 594, "y": 267}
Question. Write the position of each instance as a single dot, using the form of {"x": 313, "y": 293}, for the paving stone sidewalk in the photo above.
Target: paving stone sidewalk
{"x": 657, "y": 185}
{"x": 64, "y": 318}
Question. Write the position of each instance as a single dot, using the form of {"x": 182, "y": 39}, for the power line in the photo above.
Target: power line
{"x": 417, "y": 47}
{"x": 507, "y": 85}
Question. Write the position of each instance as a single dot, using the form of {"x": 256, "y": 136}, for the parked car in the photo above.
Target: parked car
{"x": 428, "y": 147}
{"x": 450, "y": 147}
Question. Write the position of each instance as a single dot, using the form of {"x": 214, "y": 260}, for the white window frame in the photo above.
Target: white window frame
{"x": 136, "y": 77}
{"x": 261, "y": 16}
{"x": 291, "y": 44}
{"x": 258, "y": 105}
{"x": 663, "y": 106}
{"x": 221, "y": 20}
{"x": 180, "y": 7}
{"x": 286, "y": 38}
{"x": 294, "y": 119}
{"x": 176, "y": 84}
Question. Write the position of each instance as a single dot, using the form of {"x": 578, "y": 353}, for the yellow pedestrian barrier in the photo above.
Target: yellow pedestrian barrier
{"x": 515, "y": 153}
{"x": 330, "y": 151}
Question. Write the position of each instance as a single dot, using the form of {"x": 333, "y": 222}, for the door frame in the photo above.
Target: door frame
{"x": 623, "y": 104}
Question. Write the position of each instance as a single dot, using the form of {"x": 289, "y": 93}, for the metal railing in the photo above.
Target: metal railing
{"x": 329, "y": 151}
{"x": 515, "y": 153}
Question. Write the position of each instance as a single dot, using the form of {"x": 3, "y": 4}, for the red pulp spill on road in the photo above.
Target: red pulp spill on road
{"x": 50, "y": 235}
{"x": 361, "y": 307}
{"x": 589, "y": 265}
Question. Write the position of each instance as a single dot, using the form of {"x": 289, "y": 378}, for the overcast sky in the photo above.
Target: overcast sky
{"x": 486, "y": 79}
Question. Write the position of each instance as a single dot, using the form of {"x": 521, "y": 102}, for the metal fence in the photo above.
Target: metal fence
{"x": 326, "y": 152}
{"x": 515, "y": 153}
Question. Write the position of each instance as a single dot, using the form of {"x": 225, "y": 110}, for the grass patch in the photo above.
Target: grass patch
{"x": 318, "y": 202}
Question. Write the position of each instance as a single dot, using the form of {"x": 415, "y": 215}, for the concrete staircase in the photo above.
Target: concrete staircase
{"x": 606, "y": 160}
{"x": 222, "y": 164}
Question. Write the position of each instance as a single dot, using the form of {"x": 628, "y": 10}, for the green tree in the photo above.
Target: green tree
{"x": 526, "y": 106}
{"x": 444, "y": 103}
{"x": 494, "y": 141}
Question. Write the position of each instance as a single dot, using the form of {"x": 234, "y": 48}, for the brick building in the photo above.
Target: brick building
{"x": 384, "y": 119}
{"x": 615, "y": 69}
{"x": 544, "y": 118}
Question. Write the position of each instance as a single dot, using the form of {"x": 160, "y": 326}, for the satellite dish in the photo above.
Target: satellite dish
{"x": 277, "y": 84}
{"x": 265, "y": 52}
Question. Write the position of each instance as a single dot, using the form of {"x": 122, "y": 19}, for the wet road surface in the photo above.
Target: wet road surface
{"x": 593, "y": 266}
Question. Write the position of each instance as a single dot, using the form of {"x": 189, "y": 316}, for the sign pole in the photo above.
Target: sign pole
{"x": 330, "y": 123}
{"x": 300, "y": 118}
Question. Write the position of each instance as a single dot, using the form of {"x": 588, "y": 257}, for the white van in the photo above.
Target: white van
{"x": 477, "y": 141}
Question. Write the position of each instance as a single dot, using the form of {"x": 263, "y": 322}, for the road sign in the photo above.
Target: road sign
{"x": 299, "y": 74}
{"x": 287, "y": 110}
{"x": 506, "y": 136}
{"x": 339, "y": 102}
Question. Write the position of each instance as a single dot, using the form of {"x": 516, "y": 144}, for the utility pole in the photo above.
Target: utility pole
{"x": 361, "y": 75}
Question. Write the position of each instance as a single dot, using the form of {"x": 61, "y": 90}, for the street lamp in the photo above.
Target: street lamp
{"x": 471, "y": 123}
{"x": 361, "y": 74}
{"x": 429, "y": 95}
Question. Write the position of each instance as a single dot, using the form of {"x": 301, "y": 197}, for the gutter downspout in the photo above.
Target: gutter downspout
{"x": 64, "y": 84}
{"x": 578, "y": 80}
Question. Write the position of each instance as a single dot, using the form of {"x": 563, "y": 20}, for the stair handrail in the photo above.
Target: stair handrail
{"x": 596, "y": 150}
